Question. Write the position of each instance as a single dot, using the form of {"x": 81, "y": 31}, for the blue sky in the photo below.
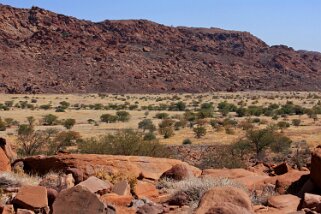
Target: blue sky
{"x": 296, "y": 23}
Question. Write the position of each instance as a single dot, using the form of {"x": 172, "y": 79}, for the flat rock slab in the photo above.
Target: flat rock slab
{"x": 78, "y": 200}
{"x": 31, "y": 197}
{"x": 96, "y": 185}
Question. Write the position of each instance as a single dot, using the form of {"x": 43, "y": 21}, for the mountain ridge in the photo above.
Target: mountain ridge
{"x": 45, "y": 52}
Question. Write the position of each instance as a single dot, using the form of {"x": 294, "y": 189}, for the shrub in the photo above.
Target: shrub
{"x": 296, "y": 122}
{"x": 2, "y": 125}
{"x": 49, "y": 120}
{"x": 108, "y": 118}
{"x": 123, "y": 116}
{"x": 194, "y": 188}
{"x": 147, "y": 124}
{"x": 62, "y": 140}
{"x": 69, "y": 123}
{"x": 166, "y": 128}
{"x": 126, "y": 142}
{"x": 161, "y": 115}
{"x": 187, "y": 141}
{"x": 199, "y": 131}
{"x": 31, "y": 142}
{"x": 149, "y": 136}
{"x": 262, "y": 139}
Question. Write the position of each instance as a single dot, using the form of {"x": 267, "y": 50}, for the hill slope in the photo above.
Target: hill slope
{"x": 44, "y": 52}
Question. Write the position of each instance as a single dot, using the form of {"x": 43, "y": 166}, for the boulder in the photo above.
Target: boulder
{"x": 291, "y": 182}
{"x": 284, "y": 203}
{"x": 76, "y": 173}
{"x": 90, "y": 164}
{"x": 4, "y": 161}
{"x": 51, "y": 195}
{"x": 250, "y": 179}
{"x": 150, "y": 209}
{"x": 6, "y": 147}
{"x": 122, "y": 188}
{"x": 96, "y": 185}
{"x": 178, "y": 172}
{"x": 281, "y": 169}
{"x": 312, "y": 201}
{"x": 227, "y": 208}
{"x": 7, "y": 209}
{"x": 316, "y": 166}
{"x": 32, "y": 198}
{"x": 24, "y": 211}
{"x": 78, "y": 200}
{"x": 145, "y": 190}
{"x": 260, "y": 168}
{"x": 213, "y": 199}
{"x": 117, "y": 200}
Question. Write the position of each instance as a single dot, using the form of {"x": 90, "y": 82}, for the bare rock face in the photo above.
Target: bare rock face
{"x": 44, "y": 52}
{"x": 312, "y": 201}
{"x": 230, "y": 199}
{"x": 178, "y": 172}
{"x": 32, "y": 198}
{"x": 122, "y": 188}
{"x": 284, "y": 203}
{"x": 4, "y": 161}
{"x": 316, "y": 166}
{"x": 281, "y": 169}
{"x": 78, "y": 200}
{"x": 144, "y": 167}
{"x": 96, "y": 185}
{"x": 249, "y": 179}
{"x": 145, "y": 190}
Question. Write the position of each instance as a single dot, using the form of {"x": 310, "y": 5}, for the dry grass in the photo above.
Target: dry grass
{"x": 13, "y": 179}
{"x": 309, "y": 131}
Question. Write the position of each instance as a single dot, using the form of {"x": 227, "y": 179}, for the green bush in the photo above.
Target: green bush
{"x": 199, "y": 131}
{"x": 69, "y": 123}
{"x": 166, "y": 128}
{"x": 2, "y": 125}
{"x": 108, "y": 118}
{"x": 126, "y": 142}
{"x": 161, "y": 116}
{"x": 187, "y": 141}
{"x": 49, "y": 120}
{"x": 147, "y": 124}
{"x": 296, "y": 122}
{"x": 123, "y": 116}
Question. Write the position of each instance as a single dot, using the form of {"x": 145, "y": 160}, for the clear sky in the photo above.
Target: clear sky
{"x": 296, "y": 23}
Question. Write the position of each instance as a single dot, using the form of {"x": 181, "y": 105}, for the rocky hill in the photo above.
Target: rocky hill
{"x": 44, "y": 52}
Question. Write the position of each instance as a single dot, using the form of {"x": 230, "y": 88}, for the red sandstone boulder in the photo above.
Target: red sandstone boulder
{"x": 281, "y": 169}
{"x": 250, "y": 179}
{"x": 145, "y": 190}
{"x": 316, "y": 166}
{"x": 78, "y": 200}
{"x": 4, "y": 161}
{"x": 284, "y": 203}
{"x": 7, "y": 209}
{"x": 178, "y": 172}
{"x": 122, "y": 188}
{"x": 95, "y": 185}
{"x": 32, "y": 198}
{"x": 89, "y": 164}
{"x": 312, "y": 201}
{"x": 225, "y": 198}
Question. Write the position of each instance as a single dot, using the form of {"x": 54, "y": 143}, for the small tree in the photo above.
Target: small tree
{"x": 49, "y": 120}
{"x": 166, "y": 128}
{"x": 69, "y": 123}
{"x": 31, "y": 120}
{"x": 296, "y": 122}
{"x": 123, "y": 116}
{"x": 283, "y": 125}
{"x": 147, "y": 124}
{"x": 108, "y": 118}
{"x": 199, "y": 131}
{"x": 2, "y": 125}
